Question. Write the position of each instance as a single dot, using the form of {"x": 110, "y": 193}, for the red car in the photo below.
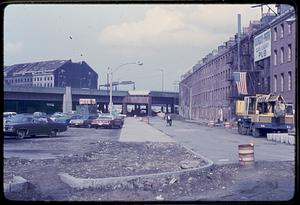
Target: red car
{"x": 108, "y": 121}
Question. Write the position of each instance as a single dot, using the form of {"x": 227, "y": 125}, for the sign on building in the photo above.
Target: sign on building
{"x": 87, "y": 101}
{"x": 262, "y": 45}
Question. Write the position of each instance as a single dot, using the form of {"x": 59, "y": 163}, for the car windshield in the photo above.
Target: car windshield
{"x": 20, "y": 119}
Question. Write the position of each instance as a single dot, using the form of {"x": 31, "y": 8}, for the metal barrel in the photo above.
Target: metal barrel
{"x": 227, "y": 124}
{"x": 246, "y": 154}
{"x": 211, "y": 123}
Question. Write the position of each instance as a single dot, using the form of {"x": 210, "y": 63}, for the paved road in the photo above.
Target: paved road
{"x": 217, "y": 144}
{"x": 73, "y": 141}
{"x": 220, "y": 144}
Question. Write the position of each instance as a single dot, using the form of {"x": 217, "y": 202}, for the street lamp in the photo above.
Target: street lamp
{"x": 190, "y": 100}
{"x": 111, "y": 71}
{"x": 162, "y": 79}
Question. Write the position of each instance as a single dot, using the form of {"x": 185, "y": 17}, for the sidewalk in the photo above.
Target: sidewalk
{"x": 135, "y": 130}
{"x": 206, "y": 122}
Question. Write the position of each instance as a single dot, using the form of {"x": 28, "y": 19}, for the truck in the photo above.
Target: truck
{"x": 262, "y": 114}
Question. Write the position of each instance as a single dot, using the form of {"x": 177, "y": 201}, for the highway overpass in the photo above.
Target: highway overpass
{"x": 31, "y": 99}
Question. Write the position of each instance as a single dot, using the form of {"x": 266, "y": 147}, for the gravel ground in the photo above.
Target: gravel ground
{"x": 265, "y": 181}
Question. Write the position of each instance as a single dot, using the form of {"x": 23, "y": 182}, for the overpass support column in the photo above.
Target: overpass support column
{"x": 67, "y": 100}
{"x": 172, "y": 108}
{"x": 149, "y": 106}
{"x": 124, "y": 108}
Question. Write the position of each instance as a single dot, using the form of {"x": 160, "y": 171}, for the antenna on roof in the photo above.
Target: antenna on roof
{"x": 261, "y": 8}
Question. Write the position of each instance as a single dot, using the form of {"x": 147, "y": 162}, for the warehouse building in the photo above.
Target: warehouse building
{"x": 55, "y": 73}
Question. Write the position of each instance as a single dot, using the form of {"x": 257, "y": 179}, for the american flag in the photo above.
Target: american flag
{"x": 241, "y": 83}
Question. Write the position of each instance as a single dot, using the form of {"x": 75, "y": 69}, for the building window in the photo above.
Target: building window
{"x": 275, "y": 57}
{"x": 281, "y": 55}
{"x": 289, "y": 52}
{"x": 275, "y": 34}
{"x": 282, "y": 31}
{"x": 281, "y": 82}
{"x": 289, "y": 80}
{"x": 275, "y": 83}
{"x": 289, "y": 28}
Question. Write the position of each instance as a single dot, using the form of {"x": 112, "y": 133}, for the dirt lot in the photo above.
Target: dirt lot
{"x": 267, "y": 181}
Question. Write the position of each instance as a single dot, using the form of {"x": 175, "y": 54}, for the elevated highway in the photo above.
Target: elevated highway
{"x": 29, "y": 99}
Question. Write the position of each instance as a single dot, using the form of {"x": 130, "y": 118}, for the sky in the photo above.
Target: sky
{"x": 168, "y": 37}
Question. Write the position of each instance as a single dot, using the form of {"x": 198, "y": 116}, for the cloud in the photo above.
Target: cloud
{"x": 13, "y": 47}
{"x": 200, "y": 26}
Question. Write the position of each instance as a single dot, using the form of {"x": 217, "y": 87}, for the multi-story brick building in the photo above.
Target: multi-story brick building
{"x": 283, "y": 62}
{"x": 56, "y": 73}
{"x": 209, "y": 87}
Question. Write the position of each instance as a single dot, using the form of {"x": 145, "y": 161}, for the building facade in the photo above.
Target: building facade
{"x": 209, "y": 91}
{"x": 56, "y": 73}
{"x": 283, "y": 62}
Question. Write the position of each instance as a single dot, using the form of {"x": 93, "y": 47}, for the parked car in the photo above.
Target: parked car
{"x": 7, "y": 116}
{"x": 40, "y": 114}
{"x": 108, "y": 121}
{"x": 82, "y": 121}
{"x": 64, "y": 118}
{"x": 24, "y": 125}
{"x": 122, "y": 116}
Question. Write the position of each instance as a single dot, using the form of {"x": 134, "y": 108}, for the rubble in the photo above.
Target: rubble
{"x": 115, "y": 159}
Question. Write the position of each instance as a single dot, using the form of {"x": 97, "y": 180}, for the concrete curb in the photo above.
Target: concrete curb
{"x": 83, "y": 183}
{"x": 282, "y": 138}
{"x": 18, "y": 184}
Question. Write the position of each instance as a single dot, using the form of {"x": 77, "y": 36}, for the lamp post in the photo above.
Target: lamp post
{"x": 162, "y": 79}
{"x": 111, "y": 71}
{"x": 190, "y": 99}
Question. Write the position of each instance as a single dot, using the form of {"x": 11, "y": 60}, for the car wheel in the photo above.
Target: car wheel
{"x": 256, "y": 132}
{"x": 21, "y": 134}
{"x": 53, "y": 133}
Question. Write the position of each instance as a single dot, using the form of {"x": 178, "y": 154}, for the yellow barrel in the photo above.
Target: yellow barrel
{"x": 246, "y": 154}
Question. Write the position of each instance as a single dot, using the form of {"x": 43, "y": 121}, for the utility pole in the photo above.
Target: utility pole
{"x": 239, "y": 40}
{"x": 162, "y": 79}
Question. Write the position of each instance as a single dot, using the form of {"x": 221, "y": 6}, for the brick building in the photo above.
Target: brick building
{"x": 209, "y": 87}
{"x": 283, "y": 62}
{"x": 55, "y": 73}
